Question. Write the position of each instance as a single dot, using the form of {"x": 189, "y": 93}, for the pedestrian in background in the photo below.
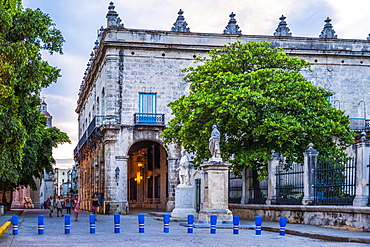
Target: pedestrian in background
{"x": 76, "y": 207}
{"x": 95, "y": 204}
{"x": 59, "y": 206}
{"x": 68, "y": 205}
{"x": 51, "y": 206}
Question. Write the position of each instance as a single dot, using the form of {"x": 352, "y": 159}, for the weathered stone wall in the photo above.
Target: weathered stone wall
{"x": 345, "y": 217}
{"x": 341, "y": 66}
{"x": 128, "y": 62}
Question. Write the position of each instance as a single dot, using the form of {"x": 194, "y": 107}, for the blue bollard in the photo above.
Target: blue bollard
{"x": 166, "y": 223}
{"x": 117, "y": 222}
{"x": 92, "y": 223}
{"x": 15, "y": 224}
{"x": 282, "y": 226}
{"x": 258, "y": 221}
{"x": 213, "y": 224}
{"x": 41, "y": 227}
{"x": 236, "y": 221}
{"x": 190, "y": 223}
{"x": 67, "y": 224}
{"x": 141, "y": 223}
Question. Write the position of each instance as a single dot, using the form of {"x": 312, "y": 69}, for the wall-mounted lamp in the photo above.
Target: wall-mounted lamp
{"x": 140, "y": 164}
{"x": 117, "y": 174}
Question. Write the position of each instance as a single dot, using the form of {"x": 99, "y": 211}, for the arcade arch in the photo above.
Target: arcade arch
{"x": 147, "y": 174}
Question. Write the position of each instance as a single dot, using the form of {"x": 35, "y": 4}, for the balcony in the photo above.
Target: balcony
{"x": 91, "y": 135}
{"x": 360, "y": 124}
{"x": 149, "y": 119}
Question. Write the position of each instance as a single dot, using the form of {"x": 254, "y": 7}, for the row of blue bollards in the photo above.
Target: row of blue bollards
{"x": 141, "y": 220}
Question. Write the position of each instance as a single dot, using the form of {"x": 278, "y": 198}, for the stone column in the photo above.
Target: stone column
{"x": 362, "y": 172}
{"x": 310, "y": 160}
{"x": 119, "y": 186}
{"x": 273, "y": 162}
{"x": 172, "y": 182}
{"x": 216, "y": 190}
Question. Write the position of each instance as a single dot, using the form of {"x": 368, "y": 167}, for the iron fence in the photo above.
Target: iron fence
{"x": 235, "y": 188}
{"x": 335, "y": 182}
{"x": 257, "y": 190}
{"x": 289, "y": 184}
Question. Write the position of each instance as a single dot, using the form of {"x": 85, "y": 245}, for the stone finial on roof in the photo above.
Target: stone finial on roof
{"x": 180, "y": 24}
{"x": 368, "y": 38}
{"x": 91, "y": 57}
{"x": 96, "y": 45}
{"x": 282, "y": 29}
{"x": 113, "y": 21}
{"x": 100, "y": 32}
{"x": 328, "y": 32}
{"x": 363, "y": 136}
{"x": 232, "y": 27}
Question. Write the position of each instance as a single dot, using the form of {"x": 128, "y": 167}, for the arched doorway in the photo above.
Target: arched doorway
{"x": 147, "y": 175}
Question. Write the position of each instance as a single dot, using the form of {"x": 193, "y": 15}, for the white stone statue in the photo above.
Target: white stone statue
{"x": 184, "y": 168}
{"x": 214, "y": 143}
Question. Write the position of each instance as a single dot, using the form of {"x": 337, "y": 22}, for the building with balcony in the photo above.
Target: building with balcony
{"x": 133, "y": 74}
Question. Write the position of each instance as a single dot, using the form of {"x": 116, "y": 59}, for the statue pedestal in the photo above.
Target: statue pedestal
{"x": 216, "y": 191}
{"x": 184, "y": 202}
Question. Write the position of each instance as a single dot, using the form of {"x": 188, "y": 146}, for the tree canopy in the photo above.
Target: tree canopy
{"x": 25, "y": 143}
{"x": 260, "y": 101}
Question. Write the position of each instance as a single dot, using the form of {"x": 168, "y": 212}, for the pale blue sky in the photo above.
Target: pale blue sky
{"x": 79, "y": 21}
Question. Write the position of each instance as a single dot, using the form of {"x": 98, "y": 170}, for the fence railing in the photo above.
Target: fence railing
{"x": 93, "y": 126}
{"x": 360, "y": 124}
{"x": 289, "y": 184}
{"x": 148, "y": 119}
{"x": 235, "y": 188}
{"x": 335, "y": 182}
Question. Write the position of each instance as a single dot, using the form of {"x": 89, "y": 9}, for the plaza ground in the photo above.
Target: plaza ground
{"x": 154, "y": 236}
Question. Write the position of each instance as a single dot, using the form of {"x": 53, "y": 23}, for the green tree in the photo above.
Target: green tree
{"x": 261, "y": 102}
{"x": 11, "y": 5}
{"x": 25, "y": 142}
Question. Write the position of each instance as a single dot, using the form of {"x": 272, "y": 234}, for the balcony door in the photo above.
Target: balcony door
{"x": 147, "y": 108}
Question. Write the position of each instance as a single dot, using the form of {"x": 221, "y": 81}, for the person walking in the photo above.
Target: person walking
{"x": 76, "y": 207}
{"x": 59, "y": 206}
{"x": 68, "y": 205}
{"x": 51, "y": 206}
{"x": 95, "y": 204}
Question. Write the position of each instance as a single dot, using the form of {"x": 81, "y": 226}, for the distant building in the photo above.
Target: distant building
{"x": 133, "y": 74}
{"x": 63, "y": 181}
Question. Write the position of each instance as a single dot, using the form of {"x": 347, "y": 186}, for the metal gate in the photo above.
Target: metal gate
{"x": 289, "y": 184}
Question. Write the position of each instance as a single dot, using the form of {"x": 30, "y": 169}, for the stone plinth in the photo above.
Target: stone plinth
{"x": 216, "y": 191}
{"x": 184, "y": 202}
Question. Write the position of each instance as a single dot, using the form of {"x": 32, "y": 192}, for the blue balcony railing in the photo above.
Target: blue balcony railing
{"x": 149, "y": 119}
{"x": 360, "y": 124}
{"x": 95, "y": 123}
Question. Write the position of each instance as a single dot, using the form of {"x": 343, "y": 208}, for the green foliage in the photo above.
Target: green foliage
{"x": 261, "y": 102}
{"x": 26, "y": 146}
{"x": 11, "y": 5}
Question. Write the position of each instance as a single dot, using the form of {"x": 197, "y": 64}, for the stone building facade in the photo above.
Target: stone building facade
{"x": 133, "y": 74}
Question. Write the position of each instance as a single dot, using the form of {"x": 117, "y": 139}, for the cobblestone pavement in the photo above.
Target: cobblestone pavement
{"x": 129, "y": 236}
